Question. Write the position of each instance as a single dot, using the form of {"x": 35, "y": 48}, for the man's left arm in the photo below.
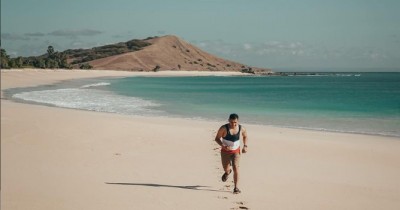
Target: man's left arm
{"x": 244, "y": 134}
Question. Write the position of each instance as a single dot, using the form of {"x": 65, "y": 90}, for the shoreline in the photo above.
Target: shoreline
{"x": 208, "y": 120}
{"x": 99, "y": 74}
{"x": 54, "y": 158}
{"x": 59, "y": 75}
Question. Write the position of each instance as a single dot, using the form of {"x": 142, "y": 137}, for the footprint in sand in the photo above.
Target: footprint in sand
{"x": 222, "y": 197}
{"x": 240, "y": 207}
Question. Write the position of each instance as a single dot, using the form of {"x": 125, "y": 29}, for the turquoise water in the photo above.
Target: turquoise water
{"x": 347, "y": 102}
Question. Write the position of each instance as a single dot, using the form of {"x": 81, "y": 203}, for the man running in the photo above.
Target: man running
{"x": 228, "y": 137}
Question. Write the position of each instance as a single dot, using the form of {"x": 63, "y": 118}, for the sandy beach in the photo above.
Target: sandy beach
{"x": 56, "y": 158}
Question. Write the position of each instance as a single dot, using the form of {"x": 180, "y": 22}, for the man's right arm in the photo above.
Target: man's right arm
{"x": 219, "y": 136}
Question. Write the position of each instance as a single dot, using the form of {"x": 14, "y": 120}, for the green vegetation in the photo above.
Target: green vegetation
{"x": 247, "y": 70}
{"x": 85, "y": 66}
{"x": 77, "y": 58}
{"x": 4, "y": 59}
{"x": 51, "y": 59}
{"x": 209, "y": 64}
{"x": 157, "y": 68}
{"x": 151, "y": 37}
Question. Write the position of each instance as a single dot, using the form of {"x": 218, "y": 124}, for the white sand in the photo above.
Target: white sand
{"x": 54, "y": 158}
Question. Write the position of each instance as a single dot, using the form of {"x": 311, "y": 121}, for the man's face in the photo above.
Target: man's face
{"x": 233, "y": 122}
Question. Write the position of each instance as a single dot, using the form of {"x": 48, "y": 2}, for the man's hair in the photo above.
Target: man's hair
{"x": 233, "y": 116}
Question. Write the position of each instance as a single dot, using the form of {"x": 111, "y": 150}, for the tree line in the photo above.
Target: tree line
{"x": 75, "y": 58}
{"x": 50, "y": 60}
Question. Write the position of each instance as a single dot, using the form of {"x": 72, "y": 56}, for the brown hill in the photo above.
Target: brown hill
{"x": 170, "y": 53}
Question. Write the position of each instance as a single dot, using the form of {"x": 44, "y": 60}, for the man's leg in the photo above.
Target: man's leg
{"x": 236, "y": 166}
{"x": 226, "y": 164}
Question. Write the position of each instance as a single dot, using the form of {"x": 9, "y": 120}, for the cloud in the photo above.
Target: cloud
{"x": 220, "y": 47}
{"x": 247, "y": 46}
{"x": 294, "y": 53}
{"x": 31, "y": 48}
{"x": 13, "y": 54}
{"x": 13, "y": 37}
{"x": 270, "y": 48}
{"x": 374, "y": 55}
{"x": 161, "y": 32}
{"x": 65, "y": 33}
{"x": 281, "y": 48}
{"x": 75, "y": 33}
{"x": 297, "y": 53}
{"x": 117, "y": 36}
{"x": 37, "y": 34}
{"x": 84, "y": 45}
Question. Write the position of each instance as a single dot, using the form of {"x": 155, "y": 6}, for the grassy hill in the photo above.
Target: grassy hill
{"x": 79, "y": 56}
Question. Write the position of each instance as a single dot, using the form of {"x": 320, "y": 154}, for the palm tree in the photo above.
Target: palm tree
{"x": 50, "y": 51}
{"x": 4, "y": 59}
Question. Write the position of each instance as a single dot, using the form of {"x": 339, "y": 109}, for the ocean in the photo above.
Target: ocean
{"x": 366, "y": 103}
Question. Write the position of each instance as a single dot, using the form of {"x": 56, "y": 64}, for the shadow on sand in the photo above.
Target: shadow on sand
{"x": 188, "y": 187}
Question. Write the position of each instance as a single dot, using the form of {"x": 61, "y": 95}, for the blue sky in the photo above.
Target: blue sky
{"x": 297, "y": 34}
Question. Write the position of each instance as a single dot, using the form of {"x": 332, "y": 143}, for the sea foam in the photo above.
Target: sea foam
{"x": 90, "y": 99}
{"x": 96, "y": 85}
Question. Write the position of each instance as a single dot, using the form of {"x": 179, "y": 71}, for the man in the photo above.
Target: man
{"x": 228, "y": 137}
